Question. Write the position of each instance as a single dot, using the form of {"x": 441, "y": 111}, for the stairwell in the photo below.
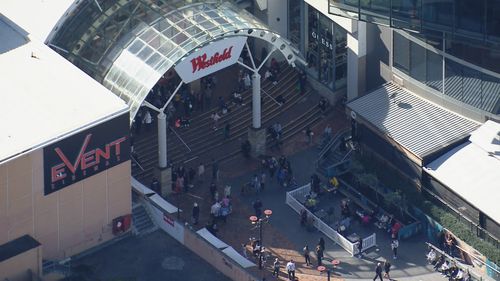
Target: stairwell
{"x": 334, "y": 159}
{"x": 142, "y": 223}
{"x": 201, "y": 143}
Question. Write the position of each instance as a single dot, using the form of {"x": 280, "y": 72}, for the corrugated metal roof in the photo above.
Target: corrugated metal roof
{"x": 415, "y": 123}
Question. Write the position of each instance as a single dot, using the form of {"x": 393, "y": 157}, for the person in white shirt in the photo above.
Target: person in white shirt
{"x": 431, "y": 256}
{"x": 290, "y": 268}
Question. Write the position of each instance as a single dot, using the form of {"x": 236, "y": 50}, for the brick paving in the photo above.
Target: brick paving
{"x": 238, "y": 229}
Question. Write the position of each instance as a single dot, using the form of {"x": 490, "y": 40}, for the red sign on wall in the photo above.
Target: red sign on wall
{"x": 211, "y": 58}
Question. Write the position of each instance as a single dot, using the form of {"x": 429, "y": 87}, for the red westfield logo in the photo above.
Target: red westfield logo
{"x": 201, "y": 62}
{"x": 85, "y": 159}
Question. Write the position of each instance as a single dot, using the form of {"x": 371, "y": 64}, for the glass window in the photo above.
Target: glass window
{"x": 294, "y": 21}
{"x": 417, "y": 62}
{"x": 434, "y": 65}
{"x": 469, "y": 15}
{"x": 344, "y": 8}
{"x": 375, "y": 11}
{"x": 340, "y": 57}
{"x": 326, "y": 52}
{"x": 406, "y": 14}
{"x": 401, "y": 50}
{"x": 438, "y": 14}
{"x": 312, "y": 47}
{"x": 493, "y": 20}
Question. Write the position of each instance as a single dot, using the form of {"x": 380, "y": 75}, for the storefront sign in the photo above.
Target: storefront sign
{"x": 322, "y": 40}
{"x": 86, "y": 153}
{"x": 211, "y": 58}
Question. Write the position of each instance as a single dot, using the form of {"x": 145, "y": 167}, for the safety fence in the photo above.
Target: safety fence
{"x": 296, "y": 205}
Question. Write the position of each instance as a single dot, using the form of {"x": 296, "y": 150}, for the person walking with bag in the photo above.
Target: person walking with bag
{"x": 307, "y": 256}
{"x": 378, "y": 272}
{"x": 394, "y": 246}
{"x": 387, "y": 269}
{"x": 276, "y": 267}
{"x": 290, "y": 268}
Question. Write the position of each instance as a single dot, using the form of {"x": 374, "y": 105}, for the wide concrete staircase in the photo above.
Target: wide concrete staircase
{"x": 200, "y": 143}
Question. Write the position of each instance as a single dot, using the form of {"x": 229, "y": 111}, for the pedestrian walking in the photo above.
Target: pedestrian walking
{"x": 257, "y": 206}
{"x": 321, "y": 243}
{"x": 360, "y": 247}
{"x": 196, "y": 213}
{"x": 227, "y": 130}
{"x": 215, "y": 117}
{"x": 215, "y": 170}
{"x": 213, "y": 189}
{"x": 276, "y": 267}
{"x": 148, "y": 120}
{"x": 387, "y": 269}
{"x": 307, "y": 256}
{"x": 262, "y": 180}
{"x": 319, "y": 254}
{"x": 244, "y": 250}
{"x": 394, "y": 246}
{"x": 201, "y": 172}
{"x": 290, "y": 268}
{"x": 309, "y": 135}
{"x": 378, "y": 272}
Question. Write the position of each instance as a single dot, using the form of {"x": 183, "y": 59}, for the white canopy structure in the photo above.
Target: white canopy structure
{"x": 472, "y": 170}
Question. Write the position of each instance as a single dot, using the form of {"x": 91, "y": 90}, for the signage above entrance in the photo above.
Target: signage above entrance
{"x": 85, "y": 154}
{"x": 211, "y": 58}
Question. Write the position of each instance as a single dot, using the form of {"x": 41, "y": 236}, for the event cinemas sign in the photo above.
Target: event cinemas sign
{"x": 86, "y": 153}
{"x": 211, "y": 58}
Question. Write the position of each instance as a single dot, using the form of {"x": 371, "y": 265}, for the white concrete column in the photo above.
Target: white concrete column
{"x": 256, "y": 114}
{"x": 162, "y": 140}
{"x": 356, "y": 60}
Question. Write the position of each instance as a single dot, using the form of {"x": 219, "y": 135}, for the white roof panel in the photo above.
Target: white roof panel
{"x": 234, "y": 255}
{"x": 417, "y": 124}
{"x": 216, "y": 242}
{"x": 37, "y": 17}
{"x": 471, "y": 172}
{"x": 43, "y": 97}
{"x": 488, "y": 138}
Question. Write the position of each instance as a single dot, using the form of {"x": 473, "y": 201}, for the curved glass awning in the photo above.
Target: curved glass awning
{"x": 129, "y": 58}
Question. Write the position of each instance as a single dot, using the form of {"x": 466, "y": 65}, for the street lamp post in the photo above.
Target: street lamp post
{"x": 259, "y": 222}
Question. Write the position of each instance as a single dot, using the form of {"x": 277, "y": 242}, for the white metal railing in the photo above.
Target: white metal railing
{"x": 293, "y": 202}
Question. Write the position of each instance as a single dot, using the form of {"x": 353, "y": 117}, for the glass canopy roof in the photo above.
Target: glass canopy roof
{"x": 129, "y": 45}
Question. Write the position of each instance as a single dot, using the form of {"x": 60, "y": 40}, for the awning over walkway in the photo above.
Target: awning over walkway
{"x": 129, "y": 45}
{"x": 472, "y": 170}
{"x": 418, "y": 125}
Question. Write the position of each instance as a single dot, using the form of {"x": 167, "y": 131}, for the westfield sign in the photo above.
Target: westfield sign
{"x": 201, "y": 62}
{"x": 86, "y": 153}
{"x": 211, "y": 58}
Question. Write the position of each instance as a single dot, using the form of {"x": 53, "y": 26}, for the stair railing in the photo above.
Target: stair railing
{"x": 335, "y": 141}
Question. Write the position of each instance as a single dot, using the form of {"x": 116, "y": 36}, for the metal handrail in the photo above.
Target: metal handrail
{"x": 179, "y": 137}
{"x": 136, "y": 162}
{"x": 329, "y": 145}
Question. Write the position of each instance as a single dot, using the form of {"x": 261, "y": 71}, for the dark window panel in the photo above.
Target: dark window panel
{"x": 434, "y": 64}
{"x": 401, "y": 52}
{"x": 417, "y": 62}
{"x": 375, "y": 11}
{"x": 493, "y": 20}
{"x": 438, "y": 14}
{"x": 406, "y": 14}
{"x": 469, "y": 16}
